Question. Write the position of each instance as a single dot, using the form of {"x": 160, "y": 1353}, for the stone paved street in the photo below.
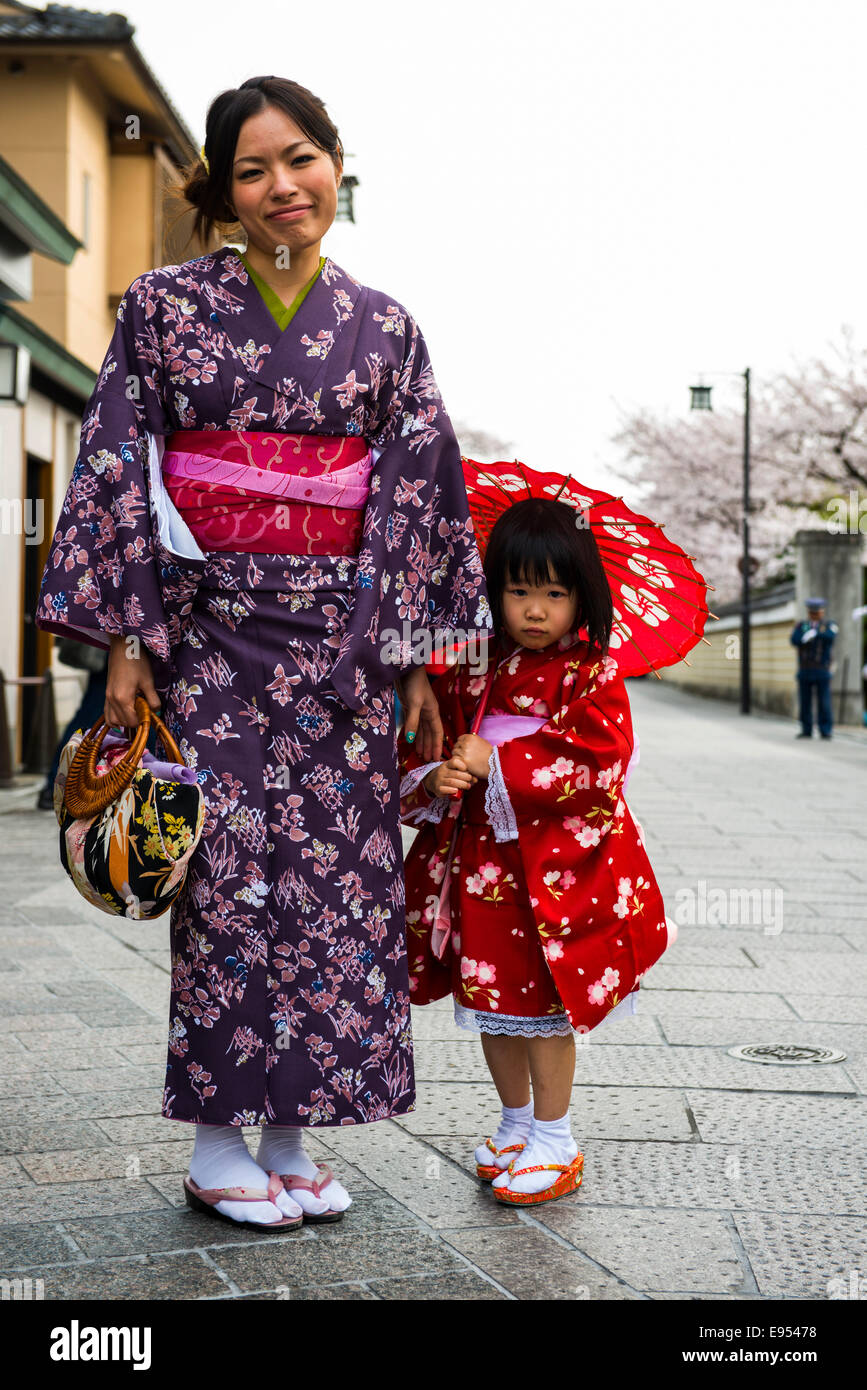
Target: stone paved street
{"x": 707, "y": 1177}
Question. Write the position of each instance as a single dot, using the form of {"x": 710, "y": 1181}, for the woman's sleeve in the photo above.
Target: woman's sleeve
{"x": 419, "y": 571}
{"x": 574, "y": 767}
{"x": 104, "y": 574}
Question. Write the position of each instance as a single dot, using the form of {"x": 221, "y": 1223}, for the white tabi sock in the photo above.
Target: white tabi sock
{"x": 221, "y": 1159}
{"x": 513, "y": 1129}
{"x": 550, "y": 1141}
{"x": 281, "y": 1148}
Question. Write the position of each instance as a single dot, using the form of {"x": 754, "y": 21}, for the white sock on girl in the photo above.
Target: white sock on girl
{"x": 550, "y": 1141}
{"x": 514, "y": 1128}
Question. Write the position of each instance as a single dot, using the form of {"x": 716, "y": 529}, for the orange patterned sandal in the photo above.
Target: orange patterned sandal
{"x": 489, "y": 1171}
{"x": 205, "y": 1199}
{"x": 568, "y": 1181}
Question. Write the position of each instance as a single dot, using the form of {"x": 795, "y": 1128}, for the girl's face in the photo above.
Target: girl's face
{"x": 283, "y": 187}
{"x": 537, "y": 615}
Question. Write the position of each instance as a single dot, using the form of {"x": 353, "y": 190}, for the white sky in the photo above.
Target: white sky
{"x": 583, "y": 204}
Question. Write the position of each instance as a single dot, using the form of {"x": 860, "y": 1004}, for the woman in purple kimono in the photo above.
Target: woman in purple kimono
{"x": 268, "y": 492}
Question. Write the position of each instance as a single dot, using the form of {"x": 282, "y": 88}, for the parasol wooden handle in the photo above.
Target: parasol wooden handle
{"x": 87, "y": 792}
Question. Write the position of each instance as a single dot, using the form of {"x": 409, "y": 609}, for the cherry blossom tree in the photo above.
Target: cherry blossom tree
{"x": 480, "y": 444}
{"x": 808, "y": 464}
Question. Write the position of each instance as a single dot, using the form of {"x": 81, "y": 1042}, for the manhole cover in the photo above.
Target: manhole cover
{"x": 785, "y": 1054}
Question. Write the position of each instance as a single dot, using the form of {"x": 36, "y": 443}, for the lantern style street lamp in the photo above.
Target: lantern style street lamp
{"x": 345, "y": 207}
{"x": 700, "y": 400}
{"x": 14, "y": 373}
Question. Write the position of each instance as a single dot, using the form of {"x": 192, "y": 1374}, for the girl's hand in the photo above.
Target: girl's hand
{"x": 127, "y": 676}
{"x": 449, "y": 779}
{"x": 475, "y": 752}
{"x": 422, "y": 715}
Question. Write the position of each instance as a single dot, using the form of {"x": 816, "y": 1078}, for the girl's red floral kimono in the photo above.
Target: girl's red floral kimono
{"x": 555, "y": 911}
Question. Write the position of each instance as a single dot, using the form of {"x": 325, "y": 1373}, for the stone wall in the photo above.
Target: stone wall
{"x": 829, "y": 565}
{"x": 716, "y": 669}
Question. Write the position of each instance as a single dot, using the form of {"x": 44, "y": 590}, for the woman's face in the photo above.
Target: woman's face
{"x": 277, "y": 170}
{"x": 535, "y": 615}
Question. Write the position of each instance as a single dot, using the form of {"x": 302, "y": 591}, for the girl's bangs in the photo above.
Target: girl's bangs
{"x": 537, "y": 556}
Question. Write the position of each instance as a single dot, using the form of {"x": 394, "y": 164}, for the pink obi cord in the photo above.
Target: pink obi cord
{"x": 296, "y": 494}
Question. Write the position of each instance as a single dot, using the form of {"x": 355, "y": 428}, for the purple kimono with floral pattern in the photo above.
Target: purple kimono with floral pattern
{"x": 290, "y": 1001}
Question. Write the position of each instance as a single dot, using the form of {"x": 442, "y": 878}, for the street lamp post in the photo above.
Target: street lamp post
{"x": 745, "y": 609}
{"x": 700, "y": 400}
{"x": 345, "y": 204}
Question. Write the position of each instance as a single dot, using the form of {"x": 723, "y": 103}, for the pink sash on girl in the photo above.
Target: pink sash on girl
{"x": 244, "y": 490}
{"x": 497, "y": 728}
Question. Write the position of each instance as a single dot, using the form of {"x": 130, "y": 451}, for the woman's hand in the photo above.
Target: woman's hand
{"x": 422, "y": 715}
{"x": 449, "y": 779}
{"x": 127, "y": 677}
{"x": 475, "y": 752}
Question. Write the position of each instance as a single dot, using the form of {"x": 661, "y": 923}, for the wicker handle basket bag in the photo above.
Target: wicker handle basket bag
{"x": 127, "y": 829}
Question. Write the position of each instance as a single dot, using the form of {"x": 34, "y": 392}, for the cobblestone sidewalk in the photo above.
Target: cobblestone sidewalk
{"x": 706, "y": 1177}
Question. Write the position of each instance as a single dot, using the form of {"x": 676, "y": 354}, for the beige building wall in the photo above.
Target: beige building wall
{"x": 54, "y": 131}
{"x": 716, "y": 669}
{"x": 89, "y": 194}
{"x": 34, "y": 136}
{"x": 131, "y": 248}
{"x": 65, "y": 129}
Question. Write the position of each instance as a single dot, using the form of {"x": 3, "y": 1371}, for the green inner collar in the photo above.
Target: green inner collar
{"x": 280, "y": 312}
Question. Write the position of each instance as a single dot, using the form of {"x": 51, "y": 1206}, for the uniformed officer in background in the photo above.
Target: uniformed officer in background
{"x": 814, "y": 639}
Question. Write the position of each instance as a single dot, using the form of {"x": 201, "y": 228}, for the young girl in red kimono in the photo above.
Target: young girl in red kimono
{"x": 540, "y": 913}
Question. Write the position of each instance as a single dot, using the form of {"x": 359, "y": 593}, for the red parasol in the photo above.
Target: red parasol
{"x": 659, "y": 596}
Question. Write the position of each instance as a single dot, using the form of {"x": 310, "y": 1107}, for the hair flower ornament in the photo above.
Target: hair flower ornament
{"x": 204, "y": 159}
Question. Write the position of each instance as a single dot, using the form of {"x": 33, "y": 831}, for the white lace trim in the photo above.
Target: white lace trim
{"x": 544, "y": 1026}
{"x": 433, "y": 811}
{"x": 412, "y": 779}
{"x": 477, "y": 1021}
{"x": 498, "y": 807}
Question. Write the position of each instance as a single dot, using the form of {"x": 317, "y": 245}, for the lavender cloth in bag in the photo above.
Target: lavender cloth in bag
{"x": 168, "y": 772}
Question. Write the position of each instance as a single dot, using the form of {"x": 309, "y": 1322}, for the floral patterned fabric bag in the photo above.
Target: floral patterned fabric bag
{"x": 128, "y": 822}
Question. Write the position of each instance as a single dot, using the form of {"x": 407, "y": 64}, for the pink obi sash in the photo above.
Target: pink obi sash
{"x": 294, "y": 494}
{"x": 497, "y": 728}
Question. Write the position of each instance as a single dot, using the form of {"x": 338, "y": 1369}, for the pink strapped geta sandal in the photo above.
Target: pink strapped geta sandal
{"x": 314, "y": 1185}
{"x": 489, "y": 1171}
{"x": 205, "y": 1199}
{"x": 568, "y": 1181}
